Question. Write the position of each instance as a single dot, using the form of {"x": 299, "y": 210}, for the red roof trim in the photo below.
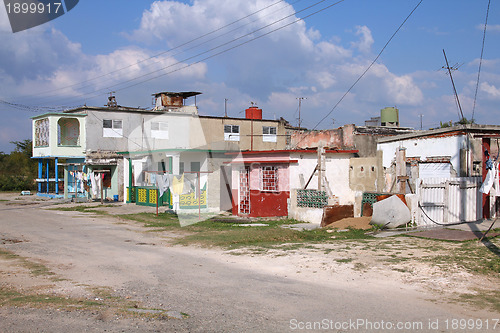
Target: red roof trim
{"x": 300, "y": 151}
{"x": 263, "y": 162}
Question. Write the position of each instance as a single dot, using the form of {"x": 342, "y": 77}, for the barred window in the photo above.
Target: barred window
{"x": 269, "y": 178}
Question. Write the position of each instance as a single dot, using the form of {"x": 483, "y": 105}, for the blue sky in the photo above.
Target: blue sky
{"x": 49, "y": 67}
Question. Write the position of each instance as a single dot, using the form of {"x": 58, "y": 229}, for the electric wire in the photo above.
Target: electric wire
{"x": 442, "y": 224}
{"x": 96, "y": 92}
{"x": 367, "y": 69}
{"x": 481, "y": 59}
{"x": 176, "y": 47}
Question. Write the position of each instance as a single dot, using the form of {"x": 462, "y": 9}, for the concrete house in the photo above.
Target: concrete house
{"x": 130, "y": 147}
{"x": 444, "y": 168}
{"x": 289, "y": 182}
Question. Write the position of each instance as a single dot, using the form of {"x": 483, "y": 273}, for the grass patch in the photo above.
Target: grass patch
{"x": 227, "y": 233}
{"x": 482, "y": 299}
{"x": 9, "y": 297}
{"x": 35, "y": 269}
{"x": 473, "y": 256}
{"x": 84, "y": 209}
{"x": 345, "y": 260}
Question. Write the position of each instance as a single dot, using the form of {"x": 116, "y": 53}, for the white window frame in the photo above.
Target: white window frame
{"x": 268, "y": 135}
{"x": 116, "y": 129}
{"x": 159, "y": 130}
{"x": 231, "y": 132}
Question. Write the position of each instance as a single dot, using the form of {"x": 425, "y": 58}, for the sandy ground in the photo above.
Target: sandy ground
{"x": 375, "y": 267}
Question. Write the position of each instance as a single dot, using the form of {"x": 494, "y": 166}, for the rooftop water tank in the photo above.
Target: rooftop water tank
{"x": 389, "y": 116}
{"x": 253, "y": 112}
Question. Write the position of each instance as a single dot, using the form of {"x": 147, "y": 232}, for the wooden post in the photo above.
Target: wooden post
{"x": 320, "y": 166}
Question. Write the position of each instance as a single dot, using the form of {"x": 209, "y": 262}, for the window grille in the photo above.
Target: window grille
{"x": 42, "y": 130}
{"x": 244, "y": 191}
{"x": 269, "y": 178}
{"x": 311, "y": 198}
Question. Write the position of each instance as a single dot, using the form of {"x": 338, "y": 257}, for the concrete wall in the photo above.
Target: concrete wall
{"x": 336, "y": 169}
{"x": 53, "y": 149}
{"x": 363, "y": 139}
{"x": 342, "y": 137}
{"x": 366, "y": 174}
{"x": 262, "y": 203}
{"x": 213, "y": 130}
{"x": 424, "y": 148}
{"x": 137, "y": 134}
{"x": 311, "y": 215}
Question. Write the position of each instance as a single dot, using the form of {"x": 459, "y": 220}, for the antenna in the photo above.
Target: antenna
{"x": 112, "y": 100}
{"x": 300, "y": 103}
{"x": 453, "y": 84}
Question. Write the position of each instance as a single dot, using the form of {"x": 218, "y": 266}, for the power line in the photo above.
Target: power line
{"x": 481, "y": 59}
{"x": 368, "y": 68}
{"x": 173, "y": 48}
{"x": 93, "y": 94}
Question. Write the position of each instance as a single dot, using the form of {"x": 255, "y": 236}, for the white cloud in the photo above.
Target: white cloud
{"x": 365, "y": 42}
{"x": 489, "y": 28}
{"x": 492, "y": 91}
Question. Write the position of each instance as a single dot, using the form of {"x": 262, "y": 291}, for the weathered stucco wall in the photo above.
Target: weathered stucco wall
{"x": 212, "y": 129}
{"x": 424, "y": 148}
{"x": 336, "y": 171}
{"x": 366, "y": 174}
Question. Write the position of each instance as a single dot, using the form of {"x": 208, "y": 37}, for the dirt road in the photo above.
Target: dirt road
{"x": 198, "y": 290}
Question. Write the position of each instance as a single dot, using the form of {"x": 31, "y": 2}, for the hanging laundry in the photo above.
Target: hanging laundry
{"x": 93, "y": 184}
{"x": 190, "y": 181}
{"x": 178, "y": 185}
{"x": 488, "y": 181}
{"x": 98, "y": 183}
{"x": 163, "y": 183}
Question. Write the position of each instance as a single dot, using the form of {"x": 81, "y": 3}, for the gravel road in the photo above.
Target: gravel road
{"x": 215, "y": 291}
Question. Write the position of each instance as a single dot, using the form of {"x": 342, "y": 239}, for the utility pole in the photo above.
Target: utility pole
{"x": 300, "y": 103}
{"x": 225, "y": 107}
{"x": 421, "y": 116}
{"x": 453, "y": 84}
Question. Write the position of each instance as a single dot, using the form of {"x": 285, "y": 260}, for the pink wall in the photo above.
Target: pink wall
{"x": 263, "y": 203}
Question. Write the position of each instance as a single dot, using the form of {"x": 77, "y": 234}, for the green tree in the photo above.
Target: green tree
{"x": 17, "y": 169}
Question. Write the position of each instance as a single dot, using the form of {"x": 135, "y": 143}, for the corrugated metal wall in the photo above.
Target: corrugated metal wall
{"x": 448, "y": 200}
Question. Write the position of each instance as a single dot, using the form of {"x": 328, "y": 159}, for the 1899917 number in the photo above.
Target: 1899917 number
{"x": 32, "y": 8}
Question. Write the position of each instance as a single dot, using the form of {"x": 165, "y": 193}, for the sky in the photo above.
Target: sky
{"x": 268, "y": 52}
